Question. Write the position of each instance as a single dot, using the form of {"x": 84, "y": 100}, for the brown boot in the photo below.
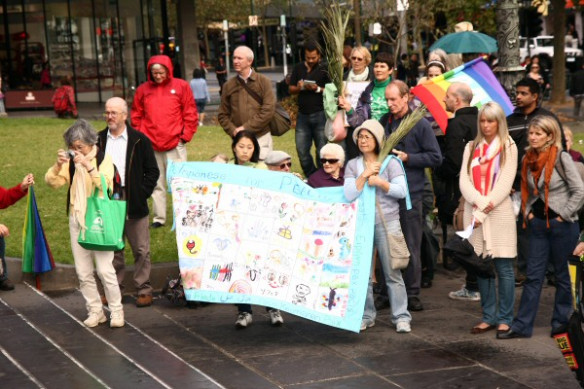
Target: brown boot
{"x": 144, "y": 300}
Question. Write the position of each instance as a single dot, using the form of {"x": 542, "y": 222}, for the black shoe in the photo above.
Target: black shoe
{"x": 510, "y": 335}
{"x": 414, "y": 304}
{"x": 426, "y": 283}
{"x": 156, "y": 225}
{"x": 6, "y": 285}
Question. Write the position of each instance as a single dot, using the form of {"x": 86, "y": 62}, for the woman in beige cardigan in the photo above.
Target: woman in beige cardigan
{"x": 488, "y": 170}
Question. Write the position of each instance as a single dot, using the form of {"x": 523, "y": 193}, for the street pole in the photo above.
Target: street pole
{"x": 283, "y": 28}
{"x": 226, "y": 37}
{"x": 508, "y": 70}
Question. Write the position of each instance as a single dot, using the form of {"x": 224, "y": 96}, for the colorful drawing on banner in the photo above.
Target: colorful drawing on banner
{"x": 191, "y": 277}
{"x": 240, "y": 287}
{"x": 192, "y": 246}
{"x": 276, "y": 243}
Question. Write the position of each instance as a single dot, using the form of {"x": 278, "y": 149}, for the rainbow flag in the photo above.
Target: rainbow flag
{"x": 36, "y": 253}
{"x": 476, "y": 74}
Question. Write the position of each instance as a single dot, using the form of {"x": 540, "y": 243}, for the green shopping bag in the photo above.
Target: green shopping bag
{"x": 105, "y": 220}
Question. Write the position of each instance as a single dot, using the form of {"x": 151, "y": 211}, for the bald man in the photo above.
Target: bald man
{"x": 133, "y": 155}
{"x": 461, "y": 129}
{"x": 239, "y": 110}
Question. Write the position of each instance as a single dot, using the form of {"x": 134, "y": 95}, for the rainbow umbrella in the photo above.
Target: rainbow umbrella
{"x": 36, "y": 253}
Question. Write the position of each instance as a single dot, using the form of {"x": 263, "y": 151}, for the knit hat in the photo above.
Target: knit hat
{"x": 374, "y": 127}
{"x": 276, "y": 157}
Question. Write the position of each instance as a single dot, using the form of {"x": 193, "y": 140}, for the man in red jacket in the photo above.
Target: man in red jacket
{"x": 164, "y": 110}
{"x": 7, "y": 198}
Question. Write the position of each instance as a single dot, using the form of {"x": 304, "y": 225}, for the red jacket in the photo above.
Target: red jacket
{"x": 165, "y": 112}
{"x": 10, "y": 196}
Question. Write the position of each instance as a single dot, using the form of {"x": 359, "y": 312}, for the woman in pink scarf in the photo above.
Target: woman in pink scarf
{"x": 488, "y": 170}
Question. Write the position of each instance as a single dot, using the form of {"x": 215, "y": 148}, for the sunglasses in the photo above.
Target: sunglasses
{"x": 285, "y": 164}
{"x": 328, "y": 160}
{"x": 356, "y": 59}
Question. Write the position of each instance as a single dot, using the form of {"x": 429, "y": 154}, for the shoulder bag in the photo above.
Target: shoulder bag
{"x": 105, "y": 219}
{"x": 280, "y": 122}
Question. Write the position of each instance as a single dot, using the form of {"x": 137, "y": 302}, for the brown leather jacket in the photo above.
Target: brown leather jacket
{"x": 238, "y": 108}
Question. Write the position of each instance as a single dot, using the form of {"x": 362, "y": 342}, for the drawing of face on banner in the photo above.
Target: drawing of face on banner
{"x": 301, "y": 293}
{"x": 198, "y": 216}
{"x": 274, "y": 283}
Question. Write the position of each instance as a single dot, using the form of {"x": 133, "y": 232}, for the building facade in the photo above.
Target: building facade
{"x": 103, "y": 45}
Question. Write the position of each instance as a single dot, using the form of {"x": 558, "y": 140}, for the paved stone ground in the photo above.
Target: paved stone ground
{"x": 44, "y": 344}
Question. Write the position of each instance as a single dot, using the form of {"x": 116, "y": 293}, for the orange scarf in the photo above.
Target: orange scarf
{"x": 536, "y": 162}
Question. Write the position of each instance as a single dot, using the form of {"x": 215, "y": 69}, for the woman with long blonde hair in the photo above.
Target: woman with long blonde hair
{"x": 488, "y": 170}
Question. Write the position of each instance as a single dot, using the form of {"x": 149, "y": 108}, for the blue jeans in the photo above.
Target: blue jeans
{"x": 396, "y": 289}
{"x": 309, "y": 128}
{"x": 554, "y": 244}
{"x": 503, "y": 313}
{"x": 4, "y": 274}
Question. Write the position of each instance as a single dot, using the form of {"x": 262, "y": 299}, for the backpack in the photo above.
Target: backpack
{"x": 60, "y": 100}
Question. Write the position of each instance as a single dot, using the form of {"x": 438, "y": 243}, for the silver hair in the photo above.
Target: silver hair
{"x": 80, "y": 130}
{"x": 247, "y": 51}
{"x": 333, "y": 149}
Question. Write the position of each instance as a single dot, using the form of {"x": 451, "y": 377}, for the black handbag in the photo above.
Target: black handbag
{"x": 463, "y": 253}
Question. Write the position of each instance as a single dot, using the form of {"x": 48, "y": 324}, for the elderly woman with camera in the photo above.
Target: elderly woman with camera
{"x": 81, "y": 168}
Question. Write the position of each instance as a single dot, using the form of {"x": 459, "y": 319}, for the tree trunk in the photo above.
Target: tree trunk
{"x": 207, "y": 48}
{"x": 265, "y": 40}
{"x": 357, "y": 25}
{"x": 559, "y": 61}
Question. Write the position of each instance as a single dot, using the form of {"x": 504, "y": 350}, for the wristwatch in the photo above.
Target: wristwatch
{"x": 318, "y": 89}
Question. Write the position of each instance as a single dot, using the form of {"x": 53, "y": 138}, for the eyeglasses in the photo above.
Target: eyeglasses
{"x": 328, "y": 160}
{"x": 108, "y": 114}
{"x": 366, "y": 138}
{"x": 356, "y": 59}
{"x": 285, "y": 165}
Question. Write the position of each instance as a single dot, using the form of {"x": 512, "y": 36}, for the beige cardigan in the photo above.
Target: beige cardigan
{"x": 497, "y": 235}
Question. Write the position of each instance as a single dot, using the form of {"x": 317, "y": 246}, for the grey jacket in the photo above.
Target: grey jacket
{"x": 565, "y": 198}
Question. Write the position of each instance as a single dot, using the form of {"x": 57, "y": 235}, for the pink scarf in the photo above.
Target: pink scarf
{"x": 486, "y": 156}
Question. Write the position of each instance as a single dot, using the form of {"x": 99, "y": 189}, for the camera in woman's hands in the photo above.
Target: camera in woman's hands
{"x": 70, "y": 154}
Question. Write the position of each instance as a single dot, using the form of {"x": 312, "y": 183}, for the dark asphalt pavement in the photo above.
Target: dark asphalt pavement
{"x": 45, "y": 344}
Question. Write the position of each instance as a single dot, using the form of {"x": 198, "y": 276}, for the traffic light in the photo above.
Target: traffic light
{"x": 533, "y": 23}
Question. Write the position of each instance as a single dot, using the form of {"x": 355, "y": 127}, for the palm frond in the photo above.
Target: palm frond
{"x": 334, "y": 26}
{"x": 402, "y": 130}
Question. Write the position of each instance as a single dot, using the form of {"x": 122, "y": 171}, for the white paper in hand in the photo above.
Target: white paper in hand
{"x": 467, "y": 232}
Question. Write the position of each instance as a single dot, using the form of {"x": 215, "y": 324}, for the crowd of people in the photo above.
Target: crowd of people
{"x": 522, "y": 193}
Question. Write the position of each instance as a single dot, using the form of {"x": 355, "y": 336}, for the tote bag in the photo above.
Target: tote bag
{"x": 105, "y": 220}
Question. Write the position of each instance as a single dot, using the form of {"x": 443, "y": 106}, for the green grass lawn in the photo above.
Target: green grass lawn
{"x": 30, "y": 146}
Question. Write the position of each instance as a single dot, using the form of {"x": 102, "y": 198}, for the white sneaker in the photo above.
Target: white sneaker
{"x": 94, "y": 319}
{"x": 117, "y": 319}
{"x": 275, "y": 317}
{"x": 243, "y": 320}
{"x": 403, "y": 327}
{"x": 367, "y": 323}
{"x": 465, "y": 295}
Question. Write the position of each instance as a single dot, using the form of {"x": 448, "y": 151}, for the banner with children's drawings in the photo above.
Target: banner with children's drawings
{"x": 256, "y": 236}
